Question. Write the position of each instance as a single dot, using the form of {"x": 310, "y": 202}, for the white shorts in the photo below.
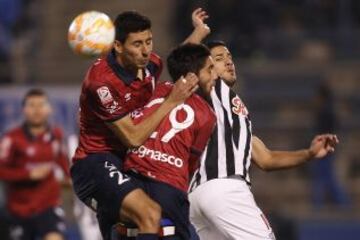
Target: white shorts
{"x": 226, "y": 209}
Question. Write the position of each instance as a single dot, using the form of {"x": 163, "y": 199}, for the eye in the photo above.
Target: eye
{"x": 137, "y": 44}
{"x": 148, "y": 42}
{"x": 218, "y": 59}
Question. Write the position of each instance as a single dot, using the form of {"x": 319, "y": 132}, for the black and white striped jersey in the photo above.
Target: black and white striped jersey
{"x": 228, "y": 151}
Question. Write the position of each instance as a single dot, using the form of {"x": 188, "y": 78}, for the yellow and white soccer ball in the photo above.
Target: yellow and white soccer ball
{"x": 91, "y": 34}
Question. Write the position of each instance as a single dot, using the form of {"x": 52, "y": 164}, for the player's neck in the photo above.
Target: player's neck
{"x": 37, "y": 130}
{"x": 129, "y": 68}
{"x": 203, "y": 94}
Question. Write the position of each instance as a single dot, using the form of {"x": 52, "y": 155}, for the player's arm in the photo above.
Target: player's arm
{"x": 269, "y": 160}
{"x": 133, "y": 135}
{"x": 62, "y": 160}
{"x": 14, "y": 174}
{"x": 10, "y": 174}
{"x": 201, "y": 30}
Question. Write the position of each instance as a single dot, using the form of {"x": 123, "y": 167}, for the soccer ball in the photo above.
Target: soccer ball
{"x": 91, "y": 34}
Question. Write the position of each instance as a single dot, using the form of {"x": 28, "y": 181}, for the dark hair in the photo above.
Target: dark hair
{"x": 130, "y": 22}
{"x": 34, "y": 92}
{"x": 215, "y": 43}
{"x": 187, "y": 58}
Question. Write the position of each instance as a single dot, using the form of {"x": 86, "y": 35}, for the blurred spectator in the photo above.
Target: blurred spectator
{"x": 30, "y": 156}
{"x": 9, "y": 13}
{"x": 19, "y": 33}
{"x": 275, "y": 29}
{"x": 325, "y": 183}
{"x": 26, "y": 43}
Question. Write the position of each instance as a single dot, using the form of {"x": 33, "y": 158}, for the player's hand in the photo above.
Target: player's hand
{"x": 198, "y": 17}
{"x": 183, "y": 88}
{"x": 323, "y": 144}
{"x": 40, "y": 172}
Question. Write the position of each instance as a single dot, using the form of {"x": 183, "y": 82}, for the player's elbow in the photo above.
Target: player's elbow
{"x": 264, "y": 165}
{"x": 267, "y": 168}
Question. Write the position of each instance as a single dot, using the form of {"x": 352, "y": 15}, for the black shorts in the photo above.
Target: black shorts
{"x": 99, "y": 183}
{"x": 37, "y": 226}
{"x": 174, "y": 203}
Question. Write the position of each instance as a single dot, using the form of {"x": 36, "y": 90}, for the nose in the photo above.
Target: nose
{"x": 229, "y": 62}
{"x": 146, "y": 50}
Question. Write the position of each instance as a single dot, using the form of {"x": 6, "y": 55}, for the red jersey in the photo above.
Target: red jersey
{"x": 19, "y": 153}
{"x": 108, "y": 93}
{"x": 172, "y": 151}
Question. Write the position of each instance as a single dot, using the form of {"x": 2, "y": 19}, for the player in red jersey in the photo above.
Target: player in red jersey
{"x": 162, "y": 165}
{"x": 113, "y": 87}
{"x": 28, "y": 155}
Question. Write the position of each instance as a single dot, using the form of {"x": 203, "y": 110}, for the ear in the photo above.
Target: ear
{"x": 118, "y": 46}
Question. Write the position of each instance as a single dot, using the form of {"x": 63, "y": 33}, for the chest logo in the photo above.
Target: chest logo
{"x": 30, "y": 151}
{"x": 239, "y": 107}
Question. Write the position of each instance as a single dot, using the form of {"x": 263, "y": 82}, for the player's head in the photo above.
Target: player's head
{"x": 36, "y": 107}
{"x": 193, "y": 58}
{"x": 223, "y": 62}
{"x": 133, "y": 39}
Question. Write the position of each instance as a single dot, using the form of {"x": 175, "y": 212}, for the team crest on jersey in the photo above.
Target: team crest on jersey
{"x": 239, "y": 107}
{"x": 104, "y": 95}
{"x": 30, "y": 151}
{"x": 127, "y": 97}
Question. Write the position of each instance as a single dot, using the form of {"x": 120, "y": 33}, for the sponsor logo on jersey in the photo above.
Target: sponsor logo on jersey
{"x": 30, "y": 151}
{"x": 143, "y": 151}
{"x": 239, "y": 107}
{"x": 104, "y": 95}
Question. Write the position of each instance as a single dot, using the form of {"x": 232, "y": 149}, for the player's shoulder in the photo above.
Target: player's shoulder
{"x": 11, "y": 135}
{"x": 163, "y": 88}
{"x": 99, "y": 72}
{"x": 14, "y": 132}
{"x": 155, "y": 65}
{"x": 198, "y": 103}
{"x": 155, "y": 59}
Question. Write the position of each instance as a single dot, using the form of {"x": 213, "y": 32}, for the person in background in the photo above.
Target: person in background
{"x": 29, "y": 156}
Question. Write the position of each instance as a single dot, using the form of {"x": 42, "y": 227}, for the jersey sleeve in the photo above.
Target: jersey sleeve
{"x": 7, "y": 172}
{"x": 62, "y": 156}
{"x": 107, "y": 104}
{"x": 161, "y": 91}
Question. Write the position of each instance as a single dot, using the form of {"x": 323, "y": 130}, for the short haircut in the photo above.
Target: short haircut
{"x": 34, "y": 92}
{"x": 187, "y": 58}
{"x": 215, "y": 43}
{"x": 130, "y": 22}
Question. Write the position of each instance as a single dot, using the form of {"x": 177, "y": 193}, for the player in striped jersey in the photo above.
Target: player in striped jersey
{"x": 223, "y": 175}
